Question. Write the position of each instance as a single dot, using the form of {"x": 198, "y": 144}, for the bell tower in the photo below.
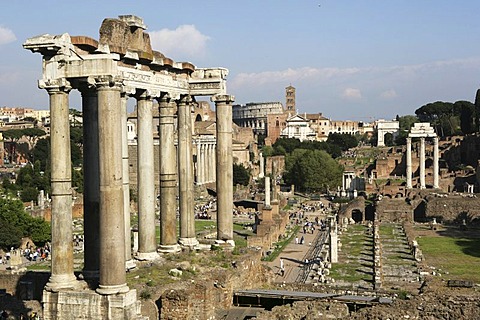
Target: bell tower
{"x": 290, "y": 99}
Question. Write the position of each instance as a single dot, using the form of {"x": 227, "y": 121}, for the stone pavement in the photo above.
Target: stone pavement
{"x": 294, "y": 255}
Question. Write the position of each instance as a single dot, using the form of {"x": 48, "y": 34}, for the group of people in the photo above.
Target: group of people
{"x": 32, "y": 316}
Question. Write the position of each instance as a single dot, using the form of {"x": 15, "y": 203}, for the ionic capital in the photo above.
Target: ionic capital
{"x": 105, "y": 82}
{"x": 222, "y": 98}
{"x": 55, "y": 85}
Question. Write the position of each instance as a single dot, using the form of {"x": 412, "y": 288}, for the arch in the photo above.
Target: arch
{"x": 357, "y": 215}
{"x": 198, "y": 118}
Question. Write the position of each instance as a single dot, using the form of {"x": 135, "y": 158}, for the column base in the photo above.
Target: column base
{"x": 89, "y": 304}
{"x": 64, "y": 282}
{"x": 224, "y": 244}
{"x": 130, "y": 264}
{"x": 174, "y": 248}
{"x": 188, "y": 242}
{"x": 146, "y": 256}
{"x": 113, "y": 289}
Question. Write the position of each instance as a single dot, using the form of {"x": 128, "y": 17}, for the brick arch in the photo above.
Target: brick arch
{"x": 353, "y": 209}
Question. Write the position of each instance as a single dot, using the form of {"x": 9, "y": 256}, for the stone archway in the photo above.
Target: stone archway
{"x": 357, "y": 215}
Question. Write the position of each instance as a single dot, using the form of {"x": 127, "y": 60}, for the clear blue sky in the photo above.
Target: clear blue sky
{"x": 348, "y": 59}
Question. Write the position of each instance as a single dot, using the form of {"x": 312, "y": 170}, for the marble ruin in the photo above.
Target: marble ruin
{"x": 122, "y": 65}
{"x": 422, "y": 130}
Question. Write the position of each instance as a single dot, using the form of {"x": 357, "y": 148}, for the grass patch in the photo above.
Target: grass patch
{"x": 460, "y": 257}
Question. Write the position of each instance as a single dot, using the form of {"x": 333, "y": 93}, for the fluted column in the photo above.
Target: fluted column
{"x": 112, "y": 225}
{"x": 409, "y": 163}
{"x": 91, "y": 194}
{"x": 62, "y": 276}
{"x": 223, "y": 108}
{"x": 130, "y": 264}
{"x": 185, "y": 173}
{"x": 422, "y": 163}
{"x": 147, "y": 248}
{"x": 435, "y": 163}
{"x": 168, "y": 183}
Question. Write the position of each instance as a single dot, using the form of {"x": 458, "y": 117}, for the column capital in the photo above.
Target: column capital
{"x": 146, "y": 94}
{"x": 105, "y": 82}
{"x": 55, "y": 85}
{"x": 218, "y": 98}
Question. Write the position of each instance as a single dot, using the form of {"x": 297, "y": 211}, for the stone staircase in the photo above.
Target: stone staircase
{"x": 398, "y": 263}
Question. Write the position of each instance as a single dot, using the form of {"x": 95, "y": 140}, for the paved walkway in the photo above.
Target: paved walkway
{"x": 294, "y": 255}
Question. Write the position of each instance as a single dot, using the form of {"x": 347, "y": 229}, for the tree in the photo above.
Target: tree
{"x": 15, "y": 223}
{"x": 33, "y": 134}
{"x": 406, "y": 122}
{"x": 287, "y": 144}
{"x": 312, "y": 171}
{"x": 467, "y": 116}
{"x": 444, "y": 116}
{"x": 343, "y": 140}
{"x": 240, "y": 175}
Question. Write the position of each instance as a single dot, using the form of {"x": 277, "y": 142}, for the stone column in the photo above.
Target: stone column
{"x": 409, "y": 163}
{"x": 147, "y": 248}
{"x": 203, "y": 159}
{"x": 224, "y": 186}
{"x": 168, "y": 182}
{"x": 130, "y": 264}
{"x": 267, "y": 191}
{"x": 91, "y": 194}
{"x": 262, "y": 166}
{"x": 185, "y": 173}
{"x": 333, "y": 237}
{"x": 422, "y": 163}
{"x": 62, "y": 276}
{"x": 197, "y": 176}
{"x": 435, "y": 163}
{"x": 112, "y": 219}
{"x": 208, "y": 162}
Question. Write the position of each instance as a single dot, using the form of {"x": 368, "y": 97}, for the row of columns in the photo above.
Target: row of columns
{"x": 422, "y": 163}
{"x": 205, "y": 172}
{"x": 106, "y": 197}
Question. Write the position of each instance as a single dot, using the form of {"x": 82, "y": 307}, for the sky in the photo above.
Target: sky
{"x": 357, "y": 60}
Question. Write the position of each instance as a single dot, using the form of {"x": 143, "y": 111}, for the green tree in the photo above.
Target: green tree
{"x": 288, "y": 144}
{"x": 444, "y": 116}
{"x": 342, "y": 140}
{"x": 15, "y": 223}
{"x": 33, "y": 134}
{"x": 241, "y": 175}
{"x": 406, "y": 122}
{"x": 467, "y": 116}
{"x": 312, "y": 171}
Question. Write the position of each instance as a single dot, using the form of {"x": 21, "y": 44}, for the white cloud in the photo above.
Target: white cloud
{"x": 352, "y": 94}
{"x": 6, "y": 35}
{"x": 183, "y": 42}
{"x": 389, "y": 94}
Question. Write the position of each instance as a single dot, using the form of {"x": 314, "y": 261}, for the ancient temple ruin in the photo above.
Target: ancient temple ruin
{"x": 122, "y": 65}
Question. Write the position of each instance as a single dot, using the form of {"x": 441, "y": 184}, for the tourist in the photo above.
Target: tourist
{"x": 281, "y": 263}
{"x": 302, "y": 239}
{"x": 296, "y": 240}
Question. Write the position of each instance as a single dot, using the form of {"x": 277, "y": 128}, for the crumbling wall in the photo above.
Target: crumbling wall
{"x": 201, "y": 299}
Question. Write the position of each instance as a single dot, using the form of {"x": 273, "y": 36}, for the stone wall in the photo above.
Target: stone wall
{"x": 203, "y": 298}
{"x": 24, "y": 285}
{"x": 453, "y": 208}
{"x": 394, "y": 210}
